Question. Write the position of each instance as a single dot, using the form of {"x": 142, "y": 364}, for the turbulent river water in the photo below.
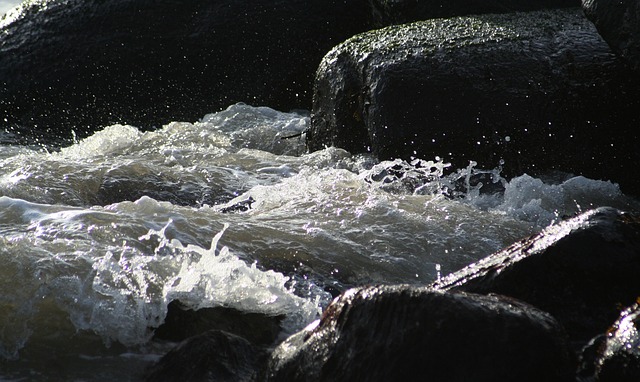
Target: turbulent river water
{"x": 98, "y": 237}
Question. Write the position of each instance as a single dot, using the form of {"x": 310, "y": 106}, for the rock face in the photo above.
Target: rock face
{"x": 402, "y": 333}
{"x": 387, "y": 12}
{"x": 182, "y": 323}
{"x": 82, "y": 64}
{"x": 619, "y": 359}
{"x": 580, "y": 271}
{"x": 212, "y": 356}
{"x": 619, "y": 24}
{"x": 540, "y": 91}
{"x": 216, "y": 344}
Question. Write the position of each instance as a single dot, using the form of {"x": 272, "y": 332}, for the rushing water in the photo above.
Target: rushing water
{"x": 98, "y": 237}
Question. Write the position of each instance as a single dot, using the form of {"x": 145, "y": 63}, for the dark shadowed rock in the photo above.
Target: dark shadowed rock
{"x": 619, "y": 359}
{"x": 212, "y": 356}
{"x": 580, "y": 271}
{"x": 387, "y": 12}
{"x": 182, "y": 323}
{"x": 403, "y": 333}
{"x": 540, "y": 90}
{"x": 83, "y": 64}
{"x": 619, "y": 24}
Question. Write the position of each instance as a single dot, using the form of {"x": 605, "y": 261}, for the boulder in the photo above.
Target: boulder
{"x": 406, "y": 333}
{"x": 182, "y": 323}
{"x": 619, "y": 358}
{"x": 387, "y": 12}
{"x": 619, "y": 24}
{"x": 214, "y": 356}
{"x": 538, "y": 91}
{"x": 82, "y": 64}
{"x": 215, "y": 344}
{"x": 579, "y": 270}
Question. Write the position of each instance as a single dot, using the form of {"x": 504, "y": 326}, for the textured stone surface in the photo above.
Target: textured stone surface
{"x": 83, "y": 64}
{"x": 579, "y": 271}
{"x": 618, "y": 21}
{"x": 540, "y": 91}
{"x": 403, "y": 333}
{"x": 211, "y": 356}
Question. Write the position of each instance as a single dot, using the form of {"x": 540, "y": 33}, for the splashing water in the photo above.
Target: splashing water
{"x": 98, "y": 238}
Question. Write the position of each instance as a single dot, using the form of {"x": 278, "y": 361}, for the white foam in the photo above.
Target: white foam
{"x": 260, "y": 128}
{"x": 112, "y": 140}
{"x": 130, "y": 292}
{"x": 531, "y": 199}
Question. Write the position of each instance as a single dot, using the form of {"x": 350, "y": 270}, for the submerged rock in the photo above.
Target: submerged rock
{"x": 182, "y": 323}
{"x": 82, "y": 64}
{"x": 539, "y": 91}
{"x": 212, "y": 356}
{"x": 619, "y": 24}
{"x": 403, "y": 333}
{"x": 216, "y": 344}
{"x": 580, "y": 271}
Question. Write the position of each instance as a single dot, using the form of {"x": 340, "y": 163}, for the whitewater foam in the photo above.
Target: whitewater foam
{"x": 98, "y": 238}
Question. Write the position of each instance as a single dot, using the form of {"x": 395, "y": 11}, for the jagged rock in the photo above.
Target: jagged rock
{"x": 83, "y": 64}
{"x": 540, "y": 91}
{"x": 211, "y": 356}
{"x": 387, "y": 12}
{"x": 579, "y": 270}
{"x": 404, "y": 333}
{"x": 619, "y": 24}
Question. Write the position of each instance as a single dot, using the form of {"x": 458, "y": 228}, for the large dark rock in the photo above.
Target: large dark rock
{"x": 619, "y": 24}
{"x": 540, "y": 90}
{"x": 580, "y": 271}
{"x": 403, "y": 333}
{"x": 83, "y": 64}
{"x": 387, "y": 12}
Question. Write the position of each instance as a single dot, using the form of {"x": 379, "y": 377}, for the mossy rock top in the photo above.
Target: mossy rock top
{"x": 431, "y": 36}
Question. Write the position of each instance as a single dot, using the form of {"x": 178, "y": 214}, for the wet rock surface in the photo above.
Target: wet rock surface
{"x": 580, "y": 271}
{"x": 82, "y": 64}
{"x": 619, "y": 356}
{"x": 214, "y": 344}
{"x": 537, "y": 91}
{"x": 182, "y": 323}
{"x": 408, "y": 333}
{"x": 618, "y": 23}
{"x": 211, "y": 356}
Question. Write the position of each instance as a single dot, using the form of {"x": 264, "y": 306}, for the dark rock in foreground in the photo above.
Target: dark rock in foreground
{"x": 212, "y": 356}
{"x": 182, "y": 323}
{"x": 580, "y": 271}
{"x": 216, "y": 344}
{"x": 84, "y": 64}
{"x": 403, "y": 333}
{"x": 619, "y": 24}
{"x": 540, "y": 91}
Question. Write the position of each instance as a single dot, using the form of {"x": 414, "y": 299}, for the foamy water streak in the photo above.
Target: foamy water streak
{"x": 97, "y": 239}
